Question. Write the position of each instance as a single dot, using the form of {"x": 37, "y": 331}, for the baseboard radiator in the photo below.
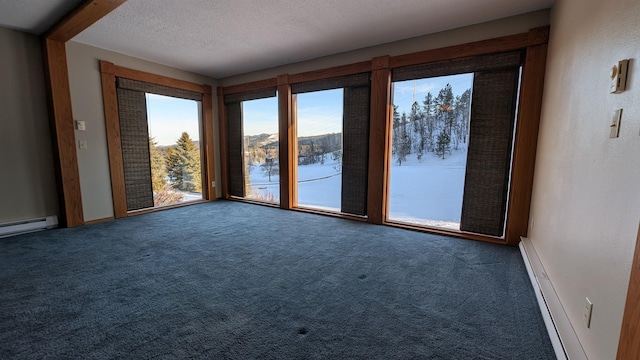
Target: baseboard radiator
{"x": 27, "y": 226}
{"x": 563, "y": 338}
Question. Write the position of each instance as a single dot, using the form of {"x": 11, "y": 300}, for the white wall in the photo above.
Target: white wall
{"x": 502, "y": 27}
{"x": 86, "y": 96}
{"x": 586, "y": 196}
{"x": 27, "y": 182}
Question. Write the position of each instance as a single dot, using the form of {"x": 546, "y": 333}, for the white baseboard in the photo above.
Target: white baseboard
{"x": 27, "y": 226}
{"x": 563, "y": 338}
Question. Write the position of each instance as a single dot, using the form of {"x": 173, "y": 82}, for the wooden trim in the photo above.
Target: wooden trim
{"x": 287, "y": 145}
{"x": 440, "y": 231}
{"x": 252, "y": 201}
{"x": 496, "y": 45}
{"x": 133, "y": 74}
{"x": 380, "y": 62}
{"x": 539, "y": 36}
{"x": 97, "y": 221}
{"x": 250, "y": 86}
{"x": 66, "y": 158}
{"x": 380, "y": 120}
{"x": 343, "y": 70}
{"x": 526, "y": 140}
{"x": 335, "y": 214}
{"x": 293, "y": 152}
{"x": 81, "y": 18}
{"x": 165, "y": 207}
{"x": 209, "y": 163}
{"x": 224, "y": 160}
{"x": 114, "y": 145}
{"x": 629, "y": 344}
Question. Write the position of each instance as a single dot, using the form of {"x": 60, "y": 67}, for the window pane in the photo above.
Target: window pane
{"x": 319, "y": 122}
{"x": 260, "y": 127}
{"x": 429, "y": 150}
{"x": 174, "y": 144}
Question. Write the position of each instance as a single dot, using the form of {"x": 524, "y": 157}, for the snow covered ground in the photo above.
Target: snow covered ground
{"x": 427, "y": 192}
{"x": 191, "y": 196}
{"x": 319, "y": 186}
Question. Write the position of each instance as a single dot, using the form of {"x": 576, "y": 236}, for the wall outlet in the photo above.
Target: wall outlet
{"x": 586, "y": 312}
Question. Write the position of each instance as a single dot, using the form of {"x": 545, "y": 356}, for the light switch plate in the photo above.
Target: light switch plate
{"x": 80, "y": 125}
{"x": 82, "y": 144}
{"x": 615, "y": 124}
{"x": 586, "y": 312}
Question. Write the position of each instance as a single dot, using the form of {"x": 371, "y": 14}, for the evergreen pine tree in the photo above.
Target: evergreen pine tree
{"x": 158, "y": 167}
{"x": 404, "y": 141}
{"x": 395, "y": 135}
{"x": 429, "y": 120}
{"x": 418, "y": 131}
{"x": 183, "y": 165}
{"x": 443, "y": 144}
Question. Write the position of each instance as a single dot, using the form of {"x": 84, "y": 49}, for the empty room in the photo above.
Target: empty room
{"x": 362, "y": 179}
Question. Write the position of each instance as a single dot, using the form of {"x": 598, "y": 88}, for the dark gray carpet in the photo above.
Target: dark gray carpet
{"x": 227, "y": 280}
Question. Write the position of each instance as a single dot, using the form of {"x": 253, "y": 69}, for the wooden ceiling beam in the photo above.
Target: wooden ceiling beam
{"x": 81, "y": 18}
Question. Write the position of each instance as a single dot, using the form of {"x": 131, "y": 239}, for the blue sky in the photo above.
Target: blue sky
{"x": 168, "y": 117}
{"x": 403, "y": 90}
{"x": 319, "y": 112}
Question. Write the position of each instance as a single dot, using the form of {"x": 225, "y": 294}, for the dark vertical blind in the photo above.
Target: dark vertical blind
{"x": 355, "y": 159}
{"x": 234, "y": 140}
{"x": 134, "y": 133}
{"x": 486, "y": 185}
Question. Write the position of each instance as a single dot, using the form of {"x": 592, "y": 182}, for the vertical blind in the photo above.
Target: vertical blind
{"x": 486, "y": 183}
{"x": 134, "y": 134}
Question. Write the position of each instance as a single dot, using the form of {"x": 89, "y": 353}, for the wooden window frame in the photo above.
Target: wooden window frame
{"x": 533, "y": 43}
{"x": 108, "y": 73}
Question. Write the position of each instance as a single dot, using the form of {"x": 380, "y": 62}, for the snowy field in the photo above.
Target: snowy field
{"x": 319, "y": 186}
{"x": 427, "y": 192}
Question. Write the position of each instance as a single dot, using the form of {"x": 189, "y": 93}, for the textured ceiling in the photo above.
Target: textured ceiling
{"x": 34, "y": 16}
{"x": 220, "y": 38}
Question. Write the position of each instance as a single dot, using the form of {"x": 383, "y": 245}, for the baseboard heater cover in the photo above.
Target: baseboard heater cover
{"x": 27, "y": 226}
{"x": 563, "y": 337}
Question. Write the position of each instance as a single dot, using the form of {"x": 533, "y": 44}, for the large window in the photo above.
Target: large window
{"x": 434, "y": 150}
{"x": 319, "y": 125}
{"x": 260, "y": 145}
{"x": 174, "y": 149}
{"x": 430, "y": 139}
{"x": 160, "y": 142}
